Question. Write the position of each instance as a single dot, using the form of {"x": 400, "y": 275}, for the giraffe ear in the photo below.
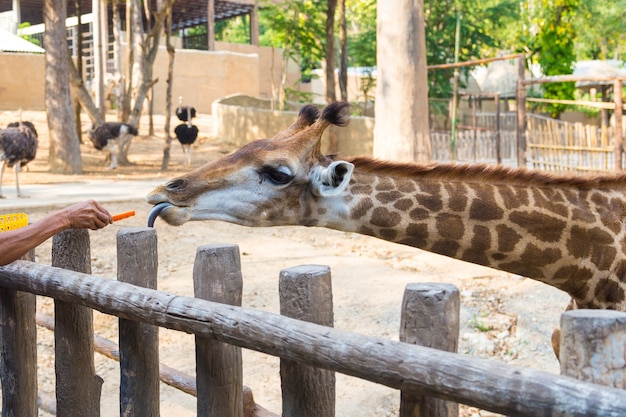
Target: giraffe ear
{"x": 331, "y": 180}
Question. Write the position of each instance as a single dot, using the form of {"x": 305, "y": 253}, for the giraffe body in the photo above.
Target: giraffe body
{"x": 566, "y": 231}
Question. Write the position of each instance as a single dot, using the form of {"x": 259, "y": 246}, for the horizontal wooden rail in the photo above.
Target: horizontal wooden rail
{"x": 594, "y": 104}
{"x": 476, "y": 382}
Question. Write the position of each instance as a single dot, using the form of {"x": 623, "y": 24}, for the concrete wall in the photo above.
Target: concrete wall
{"x": 201, "y": 77}
{"x": 22, "y": 81}
{"x": 240, "y": 119}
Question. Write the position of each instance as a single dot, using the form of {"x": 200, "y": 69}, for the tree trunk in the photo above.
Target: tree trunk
{"x": 83, "y": 96}
{"x": 117, "y": 58}
{"x": 401, "y": 132}
{"x": 148, "y": 47}
{"x": 343, "y": 42}
{"x": 171, "y": 52}
{"x": 64, "y": 155}
{"x": 331, "y": 95}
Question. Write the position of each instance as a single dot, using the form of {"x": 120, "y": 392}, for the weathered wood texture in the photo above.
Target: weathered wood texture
{"x": 137, "y": 263}
{"x": 477, "y": 382}
{"x": 305, "y": 293}
{"x": 18, "y": 354}
{"x": 430, "y": 318}
{"x": 78, "y": 388}
{"x": 219, "y": 366}
{"x": 593, "y": 346}
{"x": 170, "y": 376}
{"x": 18, "y": 351}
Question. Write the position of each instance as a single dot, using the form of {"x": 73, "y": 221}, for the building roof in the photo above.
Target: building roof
{"x": 12, "y": 43}
{"x": 185, "y": 13}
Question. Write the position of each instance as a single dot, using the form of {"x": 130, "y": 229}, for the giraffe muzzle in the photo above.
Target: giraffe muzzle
{"x": 156, "y": 210}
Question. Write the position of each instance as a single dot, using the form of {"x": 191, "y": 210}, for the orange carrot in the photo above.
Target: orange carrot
{"x": 121, "y": 216}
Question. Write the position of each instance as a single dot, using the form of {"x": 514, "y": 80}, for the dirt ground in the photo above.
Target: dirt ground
{"x": 504, "y": 317}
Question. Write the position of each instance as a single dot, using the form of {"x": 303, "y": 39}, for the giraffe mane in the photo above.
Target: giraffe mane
{"x": 484, "y": 172}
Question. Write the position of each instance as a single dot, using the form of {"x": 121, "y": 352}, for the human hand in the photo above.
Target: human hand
{"x": 86, "y": 215}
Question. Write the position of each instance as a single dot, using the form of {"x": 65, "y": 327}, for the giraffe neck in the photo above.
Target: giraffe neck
{"x": 569, "y": 237}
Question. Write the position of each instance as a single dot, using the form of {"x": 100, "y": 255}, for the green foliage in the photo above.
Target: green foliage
{"x": 235, "y": 30}
{"x": 482, "y": 34}
{"x": 600, "y": 29}
{"x": 298, "y": 28}
{"x": 361, "y": 23}
{"x": 555, "y": 48}
{"x": 28, "y": 37}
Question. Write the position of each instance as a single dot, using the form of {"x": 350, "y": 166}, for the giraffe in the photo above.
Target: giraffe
{"x": 565, "y": 231}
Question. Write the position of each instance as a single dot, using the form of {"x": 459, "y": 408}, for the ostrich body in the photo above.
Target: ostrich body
{"x": 185, "y": 113}
{"x": 186, "y": 133}
{"x": 18, "y": 146}
{"x": 111, "y": 137}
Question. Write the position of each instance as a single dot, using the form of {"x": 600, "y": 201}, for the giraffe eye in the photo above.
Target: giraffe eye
{"x": 279, "y": 176}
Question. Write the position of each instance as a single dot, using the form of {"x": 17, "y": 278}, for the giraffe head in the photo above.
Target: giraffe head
{"x": 268, "y": 182}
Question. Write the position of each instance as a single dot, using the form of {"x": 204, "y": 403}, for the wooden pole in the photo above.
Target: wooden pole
{"x": 137, "y": 262}
{"x": 305, "y": 293}
{"x": 617, "y": 97}
{"x": 78, "y": 388}
{"x": 18, "y": 351}
{"x": 210, "y": 22}
{"x": 592, "y": 346}
{"x": 474, "y": 62}
{"x": 430, "y": 317}
{"x": 520, "y": 99}
{"x": 254, "y": 25}
{"x": 219, "y": 366}
{"x": 498, "y": 140}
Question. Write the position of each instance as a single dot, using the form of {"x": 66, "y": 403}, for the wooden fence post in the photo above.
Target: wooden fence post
{"x": 219, "y": 366}
{"x": 137, "y": 263}
{"x": 619, "y": 149}
{"x": 430, "y": 317}
{"x": 78, "y": 388}
{"x": 18, "y": 351}
{"x": 306, "y": 294}
{"x": 520, "y": 99}
{"x": 593, "y": 346}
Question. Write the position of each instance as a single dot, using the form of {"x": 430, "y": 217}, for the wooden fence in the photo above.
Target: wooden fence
{"x": 554, "y": 145}
{"x": 311, "y": 351}
{"x": 481, "y": 138}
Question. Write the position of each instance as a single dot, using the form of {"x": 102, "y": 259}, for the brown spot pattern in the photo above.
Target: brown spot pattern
{"x": 542, "y": 226}
{"x": 383, "y": 217}
{"x": 362, "y": 208}
{"x": 485, "y": 209}
{"x": 514, "y": 197}
{"x": 450, "y": 226}
{"x": 403, "y": 205}
{"x": 430, "y": 197}
{"x": 389, "y": 196}
{"x": 508, "y": 238}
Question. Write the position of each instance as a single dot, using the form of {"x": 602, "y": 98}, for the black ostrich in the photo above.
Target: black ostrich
{"x": 111, "y": 137}
{"x": 184, "y": 113}
{"x": 18, "y": 146}
{"x": 186, "y": 133}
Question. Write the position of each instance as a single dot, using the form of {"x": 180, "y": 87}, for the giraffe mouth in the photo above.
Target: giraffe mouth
{"x": 156, "y": 211}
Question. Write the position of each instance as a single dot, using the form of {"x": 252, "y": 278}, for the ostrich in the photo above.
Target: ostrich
{"x": 186, "y": 133}
{"x": 18, "y": 146}
{"x": 112, "y": 136}
{"x": 184, "y": 113}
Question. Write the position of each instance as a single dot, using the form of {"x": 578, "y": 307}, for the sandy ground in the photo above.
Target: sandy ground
{"x": 505, "y": 318}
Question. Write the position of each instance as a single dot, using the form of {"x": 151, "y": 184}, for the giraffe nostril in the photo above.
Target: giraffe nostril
{"x": 177, "y": 184}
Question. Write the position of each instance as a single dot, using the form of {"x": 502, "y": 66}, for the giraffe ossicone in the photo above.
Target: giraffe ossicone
{"x": 566, "y": 231}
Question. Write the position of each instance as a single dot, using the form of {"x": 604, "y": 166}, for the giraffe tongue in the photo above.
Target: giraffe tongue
{"x": 156, "y": 210}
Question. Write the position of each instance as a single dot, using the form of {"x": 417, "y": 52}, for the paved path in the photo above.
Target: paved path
{"x": 59, "y": 195}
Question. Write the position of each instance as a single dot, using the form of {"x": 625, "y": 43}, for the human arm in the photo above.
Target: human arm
{"x": 86, "y": 215}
